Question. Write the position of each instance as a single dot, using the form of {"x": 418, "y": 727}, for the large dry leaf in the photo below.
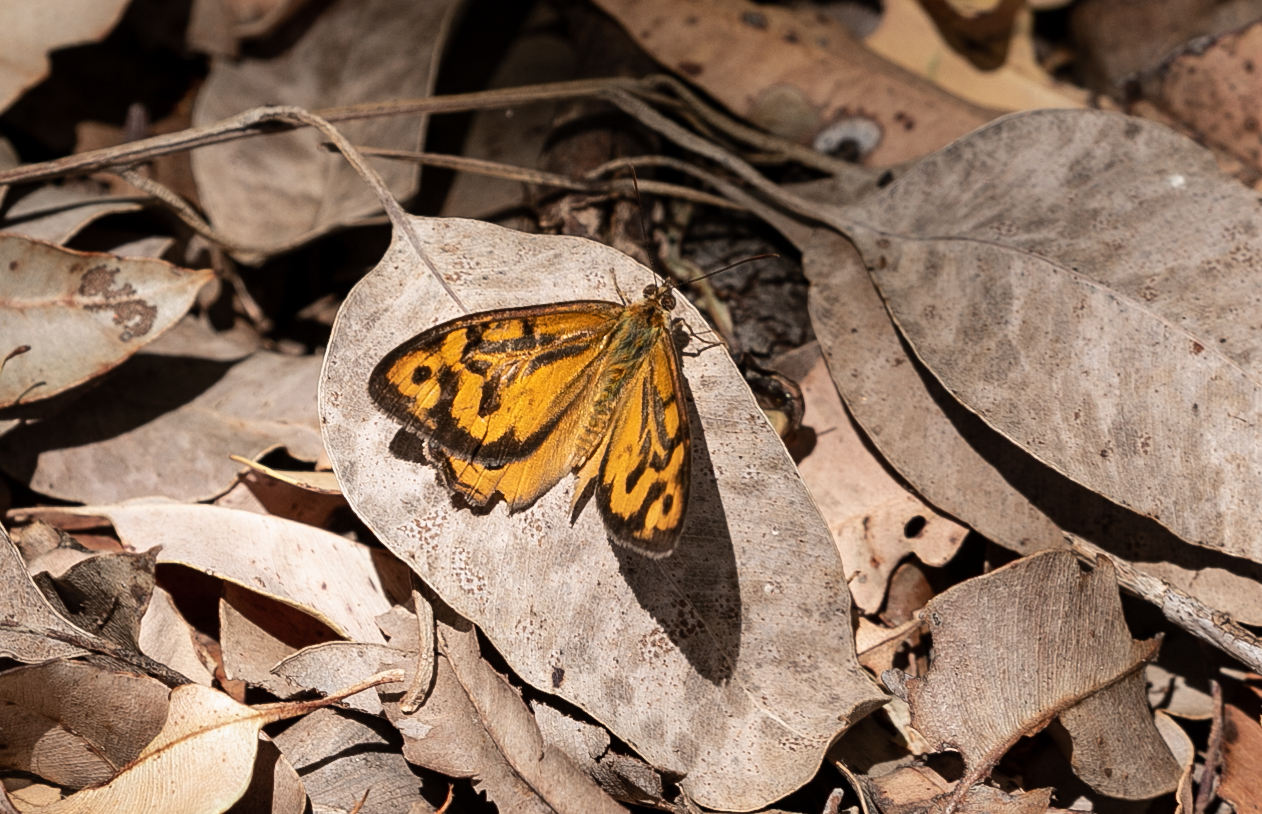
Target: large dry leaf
{"x": 799, "y": 74}
{"x": 967, "y": 469}
{"x": 318, "y": 572}
{"x": 80, "y": 313}
{"x": 31, "y": 30}
{"x": 76, "y": 724}
{"x": 190, "y": 413}
{"x": 273, "y": 192}
{"x": 874, "y": 519}
{"x": 30, "y": 630}
{"x": 1095, "y": 309}
{"x": 1036, "y": 640}
{"x": 704, "y": 662}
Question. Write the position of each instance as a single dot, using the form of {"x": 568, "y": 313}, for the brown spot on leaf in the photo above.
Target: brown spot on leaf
{"x": 135, "y": 315}
{"x": 755, "y": 19}
{"x": 1197, "y": 348}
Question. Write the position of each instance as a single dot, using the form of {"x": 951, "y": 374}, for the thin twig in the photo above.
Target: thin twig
{"x": 182, "y": 208}
{"x": 265, "y": 120}
{"x": 1202, "y": 621}
{"x": 772, "y": 145}
{"x": 1213, "y": 751}
{"x": 509, "y": 172}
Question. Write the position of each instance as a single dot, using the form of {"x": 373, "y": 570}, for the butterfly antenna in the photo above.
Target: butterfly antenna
{"x": 710, "y": 274}
{"x": 644, "y": 229}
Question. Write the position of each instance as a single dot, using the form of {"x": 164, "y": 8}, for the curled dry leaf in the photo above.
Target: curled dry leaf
{"x": 1089, "y": 319}
{"x": 1240, "y": 784}
{"x": 256, "y": 632}
{"x": 105, "y": 594}
{"x": 921, "y": 790}
{"x": 1036, "y": 640}
{"x": 56, "y": 213}
{"x": 190, "y": 412}
{"x": 318, "y": 572}
{"x": 75, "y": 724}
{"x": 200, "y": 763}
{"x": 800, "y": 75}
{"x": 30, "y": 32}
{"x": 324, "y": 483}
{"x": 704, "y": 662}
{"x": 80, "y": 313}
{"x": 622, "y": 777}
{"x": 328, "y": 666}
{"x": 37, "y": 631}
{"x": 341, "y": 754}
{"x": 875, "y": 521}
{"x": 512, "y": 729}
{"x": 285, "y": 189}
{"x": 167, "y": 638}
{"x": 1184, "y": 752}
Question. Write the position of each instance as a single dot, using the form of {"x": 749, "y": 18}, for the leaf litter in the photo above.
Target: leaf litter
{"x": 722, "y": 675}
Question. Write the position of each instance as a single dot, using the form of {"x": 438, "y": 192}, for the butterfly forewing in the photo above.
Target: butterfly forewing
{"x": 493, "y": 387}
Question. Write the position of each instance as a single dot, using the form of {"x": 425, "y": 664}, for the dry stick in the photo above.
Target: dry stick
{"x": 1194, "y": 616}
{"x": 181, "y": 208}
{"x": 509, "y": 172}
{"x": 265, "y": 120}
{"x": 772, "y": 145}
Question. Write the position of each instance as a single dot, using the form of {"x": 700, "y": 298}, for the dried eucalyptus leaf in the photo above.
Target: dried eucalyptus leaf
{"x": 969, "y": 470}
{"x": 672, "y": 655}
{"x": 1097, "y": 309}
{"x": 81, "y": 314}
{"x": 1035, "y": 640}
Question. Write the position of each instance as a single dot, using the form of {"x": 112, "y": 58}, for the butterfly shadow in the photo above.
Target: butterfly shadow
{"x": 694, "y": 594}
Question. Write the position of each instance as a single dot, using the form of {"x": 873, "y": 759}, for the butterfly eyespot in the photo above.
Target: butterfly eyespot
{"x": 421, "y": 375}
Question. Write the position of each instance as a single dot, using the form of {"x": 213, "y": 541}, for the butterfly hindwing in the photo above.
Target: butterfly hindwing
{"x": 646, "y": 470}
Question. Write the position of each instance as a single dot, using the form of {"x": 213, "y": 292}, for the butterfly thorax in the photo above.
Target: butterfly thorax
{"x": 637, "y": 330}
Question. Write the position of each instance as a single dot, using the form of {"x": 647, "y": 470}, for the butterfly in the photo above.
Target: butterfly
{"x": 509, "y": 402}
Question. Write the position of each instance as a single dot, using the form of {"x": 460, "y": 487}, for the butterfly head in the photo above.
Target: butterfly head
{"x": 660, "y": 294}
